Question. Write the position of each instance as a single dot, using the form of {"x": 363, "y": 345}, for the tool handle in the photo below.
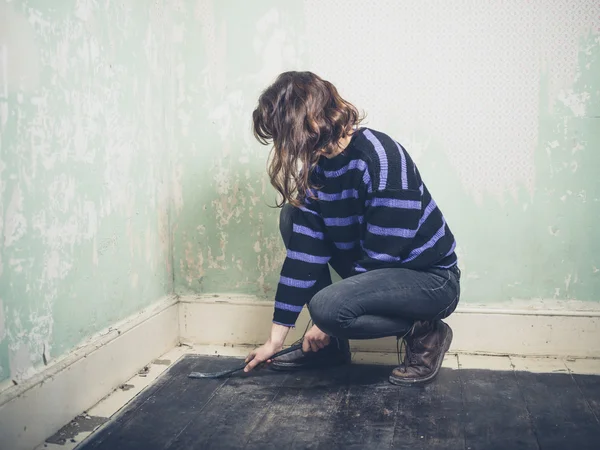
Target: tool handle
{"x": 285, "y": 351}
{"x": 237, "y": 369}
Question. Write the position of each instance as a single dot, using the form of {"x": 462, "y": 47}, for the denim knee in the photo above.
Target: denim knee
{"x": 324, "y": 313}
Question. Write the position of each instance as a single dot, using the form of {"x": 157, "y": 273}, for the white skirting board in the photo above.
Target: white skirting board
{"x": 36, "y": 409}
{"x": 244, "y": 320}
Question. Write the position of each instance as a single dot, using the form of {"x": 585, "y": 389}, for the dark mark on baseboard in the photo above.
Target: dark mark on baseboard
{"x": 162, "y": 362}
{"x": 79, "y": 424}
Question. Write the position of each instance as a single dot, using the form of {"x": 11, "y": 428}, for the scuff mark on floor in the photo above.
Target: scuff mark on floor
{"x": 80, "y": 424}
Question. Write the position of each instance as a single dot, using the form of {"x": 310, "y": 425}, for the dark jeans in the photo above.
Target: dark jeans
{"x": 378, "y": 303}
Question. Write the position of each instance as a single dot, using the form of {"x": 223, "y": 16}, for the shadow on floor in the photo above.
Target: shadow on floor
{"x": 354, "y": 407}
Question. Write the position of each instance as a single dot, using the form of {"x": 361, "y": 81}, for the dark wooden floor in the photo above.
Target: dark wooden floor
{"x": 354, "y": 407}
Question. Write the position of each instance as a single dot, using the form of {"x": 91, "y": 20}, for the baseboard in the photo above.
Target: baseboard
{"x": 37, "y": 408}
{"x": 495, "y": 330}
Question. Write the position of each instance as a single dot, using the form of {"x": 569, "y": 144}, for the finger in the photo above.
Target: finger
{"x": 250, "y": 356}
{"x": 321, "y": 345}
{"x": 252, "y": 364}
{"x": 314, "y": 346}
{"x": 306, "y": 346}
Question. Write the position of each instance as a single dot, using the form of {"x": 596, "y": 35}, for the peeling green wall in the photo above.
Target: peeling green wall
{"x": 499, "y": 103}
{"x": 83, "y": 173}
{"x": 225, "y": 234}
{"x": 128, "y": 170}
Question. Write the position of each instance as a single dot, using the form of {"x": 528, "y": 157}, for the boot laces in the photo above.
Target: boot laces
{"x": 410, "y": 359}
{"x": 410, "y": 356}
{"x": 308, "y": 325}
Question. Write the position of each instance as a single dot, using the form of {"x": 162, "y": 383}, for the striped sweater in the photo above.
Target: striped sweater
{"x": 373, "y": 208}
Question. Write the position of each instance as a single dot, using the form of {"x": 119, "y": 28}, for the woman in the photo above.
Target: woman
{"x": 352, "y": 198}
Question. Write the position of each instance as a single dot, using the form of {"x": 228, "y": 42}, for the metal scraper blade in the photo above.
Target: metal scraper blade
{"x": 224, "y": 373}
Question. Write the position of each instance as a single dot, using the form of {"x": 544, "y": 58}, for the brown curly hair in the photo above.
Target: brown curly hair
{"x": 304, "y": 117}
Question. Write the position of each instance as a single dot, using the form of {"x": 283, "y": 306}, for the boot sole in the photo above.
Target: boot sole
{"x": 429, "y": 378}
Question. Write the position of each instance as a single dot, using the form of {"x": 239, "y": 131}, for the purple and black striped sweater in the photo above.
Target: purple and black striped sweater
{"x": 373, "y": 209}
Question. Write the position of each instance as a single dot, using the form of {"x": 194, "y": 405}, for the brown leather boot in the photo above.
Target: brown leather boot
{"x": 426, "y": 345}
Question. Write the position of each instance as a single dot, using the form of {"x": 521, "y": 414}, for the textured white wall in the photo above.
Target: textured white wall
{"x": 467, "y": 74}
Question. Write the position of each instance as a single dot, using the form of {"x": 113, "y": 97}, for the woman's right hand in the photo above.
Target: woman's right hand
{"x": 261, "y": 354}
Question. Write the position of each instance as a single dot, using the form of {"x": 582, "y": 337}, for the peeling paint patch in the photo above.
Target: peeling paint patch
{"x": 84, "y": 176}
{"x": 15, "y": 225}
{"x": 568, "y": 279}
{"x": 20, "y": 362}
{"x": 576, "y": 102}
{"x": 2, "y": 324}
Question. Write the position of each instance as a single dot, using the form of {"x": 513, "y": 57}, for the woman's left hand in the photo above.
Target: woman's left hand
{"x": 314, "y": 340}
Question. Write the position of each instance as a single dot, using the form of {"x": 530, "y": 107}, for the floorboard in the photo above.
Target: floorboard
{"x": 354, "y": 407}
{"x": 495, "y": 413}
{"x": 365, "y": 413}
{"x": 559, "y": 411}
{"x": 232, "y": 414}
{"x": 159, "y": 413}
{"x": 431, "y": 417}
{"x": 589, "y": 386}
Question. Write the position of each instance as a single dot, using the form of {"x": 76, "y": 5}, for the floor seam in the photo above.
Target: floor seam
{"x": 529, "y": 416}
{"x": 168, "y": 445}
{"x": 395, "y": 417}
{"x": 587, "y": 403}
{"x": 462, "y": 400}
{"x": 287, "y": 375}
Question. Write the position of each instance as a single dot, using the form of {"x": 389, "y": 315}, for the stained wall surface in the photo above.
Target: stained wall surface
{"x": 128, "y": 170}
{"x": 498, "y": 102}
{"x": 83, "y": 174}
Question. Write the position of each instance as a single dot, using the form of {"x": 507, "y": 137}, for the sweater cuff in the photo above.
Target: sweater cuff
{"x": 285, "y": 318}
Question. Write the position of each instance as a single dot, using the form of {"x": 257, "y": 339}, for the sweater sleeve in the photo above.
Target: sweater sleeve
{"x": 307, "y": 256}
